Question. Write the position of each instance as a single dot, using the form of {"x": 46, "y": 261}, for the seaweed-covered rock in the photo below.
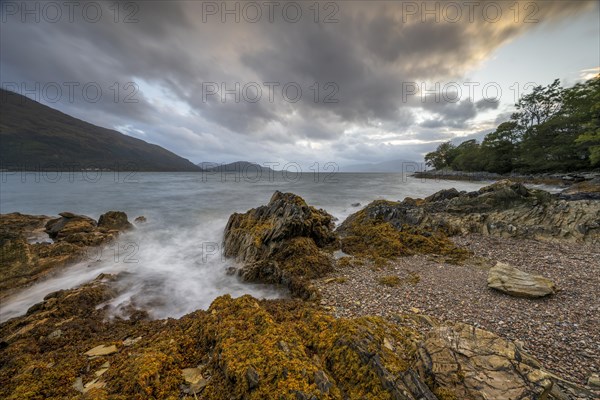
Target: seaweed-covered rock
{"x": 32, "y": 246}
{"x": 370, "y": 233}
{"x": 504, "y": 208}
{"x": 114, "y": 220}
{"x": 249, "y": 349}
{"x": 281, "y": 242}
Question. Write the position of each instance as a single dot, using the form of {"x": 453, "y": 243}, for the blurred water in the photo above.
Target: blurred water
{"x": 173, "y": 262}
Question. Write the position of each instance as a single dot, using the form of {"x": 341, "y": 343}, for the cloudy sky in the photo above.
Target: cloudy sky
{"x": 350, "y": 82}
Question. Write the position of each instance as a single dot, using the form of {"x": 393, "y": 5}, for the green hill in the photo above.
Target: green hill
{"x": 34, "y": 136}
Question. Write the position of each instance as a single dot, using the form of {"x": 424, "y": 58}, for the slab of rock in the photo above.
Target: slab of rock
{"x": 512, "y": 281}
{"x": 101, "y": 350}
{"x": 464, "y": 362}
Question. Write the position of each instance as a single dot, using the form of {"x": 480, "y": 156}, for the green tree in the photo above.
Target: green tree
{"x": 498, "y": 149}
{"x": 442, "y": 157}
{"x": 468, "y": 157}
{"x": 589, "y": 105}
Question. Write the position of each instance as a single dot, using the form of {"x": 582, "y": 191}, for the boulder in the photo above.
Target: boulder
{"x": 281, "y": 243}
{"x": 68, "y": 224}
{"x": 510, "y": 280}
{"x": 114, "y": 220}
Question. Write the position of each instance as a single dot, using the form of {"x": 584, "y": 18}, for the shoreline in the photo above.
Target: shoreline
{"x": 560, "y": 331}
{"x": 413, "y": 275}
{"x": 563, "y": 180}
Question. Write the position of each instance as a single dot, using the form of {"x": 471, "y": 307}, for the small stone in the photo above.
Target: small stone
{"x": 131, "y": 341}
{"x": 55, "y": 335}
{"x": 415, "y": 310}
{"x": 387, "y": 344}
{"x": 78, "y": 384}
{"x": 252, "y": 377}
{"x": 322, "y": 382}
{"x": 594, "y": 381}
{"x": 192, "y": 375}
{"x": 101, "y": 350}
{"x": 95, "y": 384}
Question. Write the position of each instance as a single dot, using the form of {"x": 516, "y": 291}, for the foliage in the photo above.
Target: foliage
{"x": 553, "y": 129}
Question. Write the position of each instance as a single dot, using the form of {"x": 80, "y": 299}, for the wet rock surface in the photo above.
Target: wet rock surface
{"x": 32, "y": 246}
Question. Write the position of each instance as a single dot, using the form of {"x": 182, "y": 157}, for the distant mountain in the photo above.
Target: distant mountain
{"x": 238, "y": 166}
{"x": 386, "y": 166}
{"x": 34, "y": 136}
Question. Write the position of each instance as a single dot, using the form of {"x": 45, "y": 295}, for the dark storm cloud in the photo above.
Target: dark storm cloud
{"x": 366, "y": 59}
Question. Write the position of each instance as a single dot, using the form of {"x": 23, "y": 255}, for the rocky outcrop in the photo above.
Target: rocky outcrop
{"x": 251, "y": 349}
{"x": 510, "y": 280}
{"x": 464, "y": 362}
{"x": 85, "y": 231}
{"x": 505, "y": 209}
{"x": 32, "y": 246}
{"x": 281, "y": 243}
{"x": 586, "y": 190}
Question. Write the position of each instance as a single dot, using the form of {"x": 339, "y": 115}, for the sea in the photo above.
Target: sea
{"x": 172, "y": 264}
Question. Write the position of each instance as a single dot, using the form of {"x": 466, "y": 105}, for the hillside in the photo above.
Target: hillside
{"x": 34, "y": 136}
{"x": 238, "y": 166}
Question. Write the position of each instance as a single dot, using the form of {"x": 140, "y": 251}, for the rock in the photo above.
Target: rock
{"x": 101, "y": 350}
{"x": 504, "y": 208}
{"x": 585, "y": 190}
{"x": 69, "y": 224}
{"x": 252, "y": 377}
{"x": 192, "y": 375}
{"x": 510, "y": 280}
{"x": 131, "y": 341}
{"x": 55, "y": 335}
{"x": 78, "y": 384}
{"x": 94, "y": 384}
{"x": 355, "y": 205}
{"x": 322, "y": 382}
{"x": 140, "y": 220}
{"x": 281, "y": 243}
{"x": 114, "y": 220}
{"x": 594, "y": 381}
{"x": 470, "y": 363}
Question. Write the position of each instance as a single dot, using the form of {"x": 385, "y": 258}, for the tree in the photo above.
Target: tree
{"x": 498, "y": 149}
{"x": 590, "y": 106}
{"x": 468, "y": 157}
{"x": 442, "y": 157}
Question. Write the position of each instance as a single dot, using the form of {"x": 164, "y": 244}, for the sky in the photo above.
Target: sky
{"x": 348, "y": 82}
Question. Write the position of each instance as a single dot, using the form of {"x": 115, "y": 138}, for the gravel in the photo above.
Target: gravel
{"x": 562, "y": 331}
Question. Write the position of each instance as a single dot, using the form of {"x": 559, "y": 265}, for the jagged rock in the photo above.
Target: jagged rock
{"x": 141, "y": 219}
{"x": 114, "y": 220}
{"x": 586, "y": 190}
{"x": 27, "y": 253}
{"x": 281, "y": 243}
{"x": 69, "y": 224}
{"x": 510, "y": 280}
{"x": 464, "y": 362}
{"x": 504, "y": 209}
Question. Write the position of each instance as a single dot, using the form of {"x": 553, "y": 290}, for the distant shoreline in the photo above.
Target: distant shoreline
{"x": 564, "y": 179}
